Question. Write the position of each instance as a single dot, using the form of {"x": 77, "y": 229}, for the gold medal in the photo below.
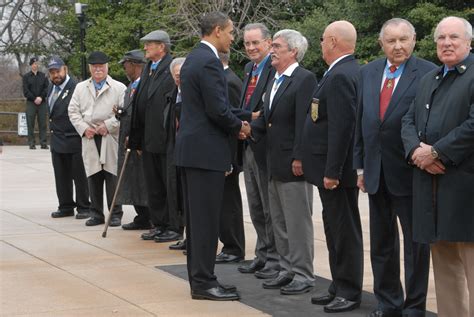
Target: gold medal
{"x": 315, "y": 109}
{"x": 389, "y": 83}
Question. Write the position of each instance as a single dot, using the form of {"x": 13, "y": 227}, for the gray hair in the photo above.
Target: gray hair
{"x": 295, "y": 40}
{"x": 396, "y": 21}
{"x": 177, "y": 61}
{"x": 467, "y": 27}
{"x": 259, "y": 26}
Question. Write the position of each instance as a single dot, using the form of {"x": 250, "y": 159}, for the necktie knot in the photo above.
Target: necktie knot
{"x": 392, "y": 68}
{"x": 254, "y": 68}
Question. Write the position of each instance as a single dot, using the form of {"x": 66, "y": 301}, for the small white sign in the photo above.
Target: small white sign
{"x": 22, "y": 126}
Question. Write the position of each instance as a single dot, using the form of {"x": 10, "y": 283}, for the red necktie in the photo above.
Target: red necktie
{"x": 251, "y": 86}
{"x": 386, "y": 93}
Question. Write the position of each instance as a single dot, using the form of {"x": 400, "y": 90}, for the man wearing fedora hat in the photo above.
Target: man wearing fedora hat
{"x": 133, "y": 190}
{"x": 65, "y": 145}
{"x": 91, "y": 113}
{"x": 35, "y": 89}
{"x": 148, "y": 133}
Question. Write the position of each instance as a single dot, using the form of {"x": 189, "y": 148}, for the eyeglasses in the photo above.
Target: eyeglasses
{"x": 254, "y": 43}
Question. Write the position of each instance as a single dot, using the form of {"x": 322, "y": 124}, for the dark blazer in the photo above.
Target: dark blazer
{"x": 206, "y": 119}
{"x": 234, "y": 85}
{"x": 256, "y": 104}
{"x": 64, "y": 137}
{"x": 283, "y": 123}
{"x": 378, "y": 144}
{"x": 328, "y": 142}
{"x": 148, "y": 119}
{"x": 442, "y": 115}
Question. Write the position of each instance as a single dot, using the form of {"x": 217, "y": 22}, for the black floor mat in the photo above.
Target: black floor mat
{"x": 271, "y": 301}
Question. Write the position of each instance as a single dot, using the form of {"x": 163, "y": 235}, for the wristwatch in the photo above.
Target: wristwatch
{"x": 434, "y": 154}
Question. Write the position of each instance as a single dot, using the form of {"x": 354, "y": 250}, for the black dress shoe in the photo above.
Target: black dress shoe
{"x": 44, "y": 147}
{"x": 62, "y": 213}
{"x": 94, "y": 222}
{"x": 382, "y": 313}
{"x": 82, "y": 215}
{"x": 266, "y": 273}
{"x": 228, "y": 287}
{"x": 253, "y": 266}
{"x": 228, "y": 258}
{"x": 322, "y": 299}
{"x": 278, "y": 282}
{"x": 168, "y": 236}
{"x": 150, "y": 235}
{"x": 180, "y": 245}
{"x": 115, "y": 222}
{"x": 136, "y": 226}
{"x": 295, "y": 288}
{"x": 32, "y": 147}
{"x": 340, "y": 304}
{"x": 215, "y": 293}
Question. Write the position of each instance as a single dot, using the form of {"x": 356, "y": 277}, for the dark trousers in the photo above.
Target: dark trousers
{"x": 344, "y": 241}
{"x": 231, "y": 225}
{"x": 202, "y": 192}
{"x": 385, "y": 254}
{"x": 69, "y": 172}
{"x": 143, "y": 215}
{"x": 32, "y": 112}
{"x": 96, "y": 189}
{"x": 154, "y": 165}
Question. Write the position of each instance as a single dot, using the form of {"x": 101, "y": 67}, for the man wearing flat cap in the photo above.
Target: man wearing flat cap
{"x": 91, "y": 113}
{"x": 35, "y": 89}
{"x": 66, "y": 145}
{"x": 148, "y": 133}
{"x": 133, "y": 190}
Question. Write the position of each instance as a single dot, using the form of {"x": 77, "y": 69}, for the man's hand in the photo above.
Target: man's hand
{"x": 436, "y": 168}
{"x": 38, "y": 101}
{"x": 255, "y": 115}
{"x": 297, "y": 167}
{"x": 102, "y": 129}
{"x": 244, "y": 130}
{"x": 90, "y": 132}
{"x": 360, "y": 182}
{"x": 330, "y": 183}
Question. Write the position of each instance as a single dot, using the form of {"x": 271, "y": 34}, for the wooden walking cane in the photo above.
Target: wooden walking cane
{"x": 117, "y": 188}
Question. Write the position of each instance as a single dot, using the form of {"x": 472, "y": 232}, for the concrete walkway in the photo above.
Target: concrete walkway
{"x": 60, "y": 267}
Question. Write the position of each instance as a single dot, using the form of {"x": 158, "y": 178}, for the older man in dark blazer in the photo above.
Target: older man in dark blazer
{"x": 149, "y": 134}
{"x": 203, "y": 152}
{"x": 259, "y": 72}
{"x": 385, "y": 174}
{"x": 328, "y": 136}
{"x": 66, "y": 145}
{"x": 438, "y": 135}
{"x": 290, "y": 196}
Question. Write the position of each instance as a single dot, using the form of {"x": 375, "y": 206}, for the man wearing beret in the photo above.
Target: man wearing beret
{"x": 133, "y": 189}
{"x": 65, "y": 145}
{"x": 148, "y": 133}
{"x": 91, "y": 113}
{"x": 35, "y": 89}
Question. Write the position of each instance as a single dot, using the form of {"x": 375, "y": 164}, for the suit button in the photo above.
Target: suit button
{"x": 269, "y": 125}
{"x": 50, "y": 120}
{"x": 51, "y": 131}
{"x": 420, "y": 134}
{"x": 427, "y": 106}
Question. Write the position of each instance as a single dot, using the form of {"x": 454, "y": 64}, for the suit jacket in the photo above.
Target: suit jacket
{"x": 282, "y": 124}
{"x": 328, "y": 142}
{"x": 206, "y": 117}
{"x": 442, "y": 115}
{"x": 234, "y": 87}
{"x": 64, "y": 137}
{"x": 378, "y": 144}
{"x": 148, "y": 118}
{"x": 256, "y": 104}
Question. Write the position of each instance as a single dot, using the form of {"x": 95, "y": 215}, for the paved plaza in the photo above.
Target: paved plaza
{"x": 60, "y": 267}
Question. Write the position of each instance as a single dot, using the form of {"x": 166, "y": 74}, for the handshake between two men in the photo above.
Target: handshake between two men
{"x": 245, "y": 131}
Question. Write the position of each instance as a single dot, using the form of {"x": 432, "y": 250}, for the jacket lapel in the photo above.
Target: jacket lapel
{"x": 261, "y": 85}
{"x": 375, "y": 83}
{"x": 154, "y": 82}
{"x": 245, "y": 84}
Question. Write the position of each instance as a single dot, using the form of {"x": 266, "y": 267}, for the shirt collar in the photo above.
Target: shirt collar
{"x": 211, "y": 46}
{"x": 289, "y": 71}
{"x": 336, "y": 61}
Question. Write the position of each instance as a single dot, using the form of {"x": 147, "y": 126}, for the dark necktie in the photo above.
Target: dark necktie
{"x": 386, "y": 93}
{"x": 251, "y": 87}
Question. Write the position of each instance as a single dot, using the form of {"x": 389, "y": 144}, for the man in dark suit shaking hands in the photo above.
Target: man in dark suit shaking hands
{"x": 203, "y": 152}
{"x": 389, "y": 86}
{"x": 328, "y": 136}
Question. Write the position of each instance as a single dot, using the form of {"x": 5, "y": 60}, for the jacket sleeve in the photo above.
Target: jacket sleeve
{"x": 44, "y": 88}
{"x": 112, "y": 123}
{"x": 26, "y": 90}
{"x": 75, "y": 116}
{"x": 409, "y": 136}
{"x": 358, "y": 158}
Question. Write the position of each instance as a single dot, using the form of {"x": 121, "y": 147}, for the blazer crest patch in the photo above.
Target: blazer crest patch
{"x": 314, "y": 109}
